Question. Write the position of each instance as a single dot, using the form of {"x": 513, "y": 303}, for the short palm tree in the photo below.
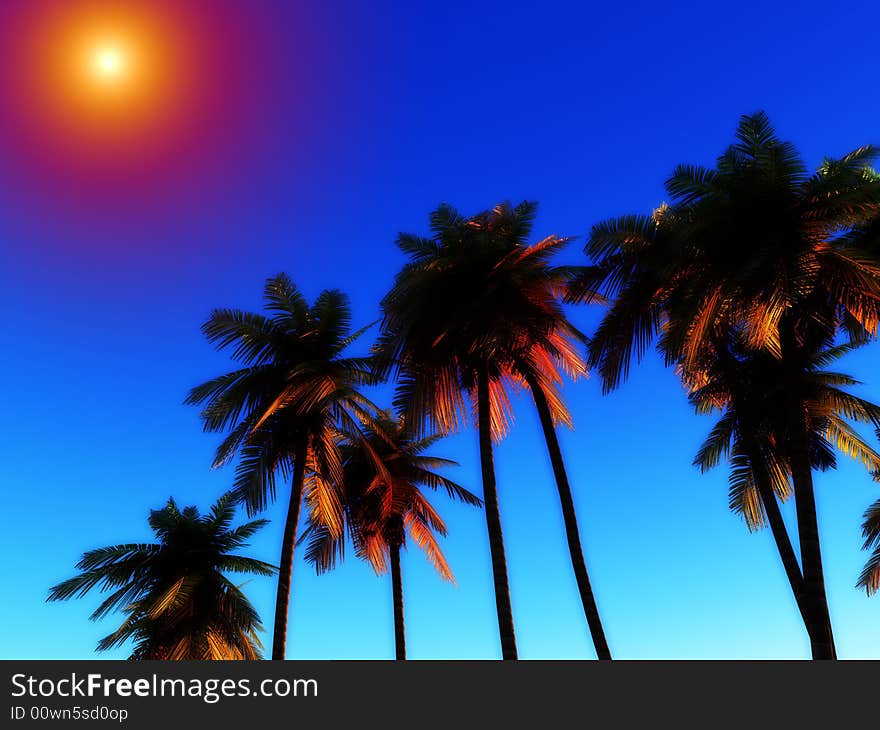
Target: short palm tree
{"x": 382, "y": 498}
{"x": 759, "y": 245}
{"x": 475, "y": 312}
{"x": 746, "y": 386}
{"x": 178, "y": 601}
{"x": 286, "y": 407}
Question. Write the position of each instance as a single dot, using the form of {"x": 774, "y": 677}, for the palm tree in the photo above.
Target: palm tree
{"x": 285, "y": 407}
{"x": 746, "y": 386}
{"x": 383, "y": 501}
{"x": 756, "y": 244}
{"x": 870, "y": 577}
{"x": 178, "y": 602}
{"x": 475, "y": 312}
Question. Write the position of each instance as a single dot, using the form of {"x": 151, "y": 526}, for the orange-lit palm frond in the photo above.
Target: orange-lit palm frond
{"x": 500, "y": 409}
{"x": 323, "y": 503}
{"x": 845, "y": 439}
{"x": 380, "y": 494}
{"x": 423, "y": 537}
{"x": 475, "y": 295}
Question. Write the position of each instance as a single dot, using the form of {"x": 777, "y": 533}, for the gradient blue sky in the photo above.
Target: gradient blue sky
{"x": 585, "y": 107}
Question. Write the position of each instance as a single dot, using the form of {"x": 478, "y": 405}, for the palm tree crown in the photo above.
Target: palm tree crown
{"x": 295, "y": 384}
{"x": 178, "y": 602}
{"x": 475, "y": 295}
{"x": 746, "y": 386}
{"x": 750, "y": 241}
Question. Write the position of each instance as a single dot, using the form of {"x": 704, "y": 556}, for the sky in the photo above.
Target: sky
{"x": 315, "y": 135}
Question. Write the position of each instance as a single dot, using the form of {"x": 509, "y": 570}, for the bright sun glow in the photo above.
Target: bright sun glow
{"x": 109, "y": 62}
{"x": 106, "y": 70}
{"x": 103, "y": 84}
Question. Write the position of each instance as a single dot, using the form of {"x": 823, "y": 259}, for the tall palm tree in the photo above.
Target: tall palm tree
{"x": 758, "y": 244}
{"x": 383, "y": 501}
{"x": 475, "y": 312}
{"x": 746, "y": 386}
{"x": 178, "y": 602}
{"x": 285, "y": 408}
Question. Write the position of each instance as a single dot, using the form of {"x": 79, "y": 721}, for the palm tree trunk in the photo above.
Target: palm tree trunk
{"x": 780, "y": 533}
{"x": 821, "y": 634}
{"x": 493, "y": 519}
{"x": 785, "y": 550}
{"x": 397, "y": 593}
{"x": 591, "y": 610}
{"x": 285, "y": 573}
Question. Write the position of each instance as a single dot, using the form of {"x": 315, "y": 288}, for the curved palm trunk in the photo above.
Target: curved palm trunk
{"x": 493, "y": 519}
{"x": 820, "y": 630}
{"x": 821, "y": 634}
{"x": 285, "y": 572}
{"x": 780, "y": 534}
{"x": 785, "y": 550}
{"x": 591, "y": 610}
{"x": 397, "y": 593}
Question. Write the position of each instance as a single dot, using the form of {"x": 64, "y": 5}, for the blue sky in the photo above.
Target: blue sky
{"x": 585, "y": 108}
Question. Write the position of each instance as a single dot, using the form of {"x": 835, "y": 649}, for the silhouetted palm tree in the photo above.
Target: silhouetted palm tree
{"x": 760, "y": 245}
{"x": 746, "y": 386}
{"x": 178, "y": 600}
{"x": 382, "y": 499}
{"x": 870, "y": 577}
{"x": 286, "y": 407}
{"x": 476, "y": 312}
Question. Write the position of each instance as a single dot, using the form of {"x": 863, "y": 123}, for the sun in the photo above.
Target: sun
{"x": 108, "y": 62}
{"x": 117, "y": 61}
{"x": 111, "y": 92}
{"x": 102, "y": 74}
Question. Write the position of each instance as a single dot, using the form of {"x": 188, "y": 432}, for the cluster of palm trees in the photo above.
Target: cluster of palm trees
{"x": 751, "y": 281}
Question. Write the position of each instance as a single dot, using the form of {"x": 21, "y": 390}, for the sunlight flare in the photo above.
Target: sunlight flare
{"x": 109, "y": 63}
{"x": 102, "y": 75}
